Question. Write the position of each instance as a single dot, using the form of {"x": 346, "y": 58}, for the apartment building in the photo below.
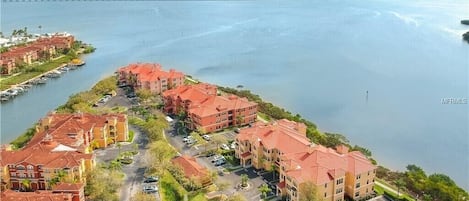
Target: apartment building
{"x": 83, "y": 131}
{"x": 41, "y": 163}
{"x": 150, "y": 76}
{"x": 42, "y": 48}
{"x": 284, "y": 147}
{"x": 208, "y": 111}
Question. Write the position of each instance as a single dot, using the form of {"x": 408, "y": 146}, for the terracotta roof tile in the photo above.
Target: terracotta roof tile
{"x": 190, "y": 167}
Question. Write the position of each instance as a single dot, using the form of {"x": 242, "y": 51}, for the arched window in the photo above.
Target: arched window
{"x": 30, "y": 167}
{"x": 20, "y": 167}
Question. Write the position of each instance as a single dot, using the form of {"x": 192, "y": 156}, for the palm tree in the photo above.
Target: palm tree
{"x": 264, "y": 189}
{"x": 244, "y": 180}
{"x": 26, "y": 184}
{"x": 400, "y": 184}
{"x": 272, "y": 169}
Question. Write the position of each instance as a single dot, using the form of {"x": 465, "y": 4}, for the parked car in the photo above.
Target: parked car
{"x": 220, "y": 162}
{"x": 191, "y": 141}
{"x": 206, "y": 137}
{"x": 217, "y": 157}
{"x": 187, "y": 138}
{"x": 210, "y": 154}
{"x": 233, "y": 145}
{"x": 236, "y": 130}
{"x": 224, "y": 146}
{"x": 151, "y": 179}
{"x": 150, "y": 189}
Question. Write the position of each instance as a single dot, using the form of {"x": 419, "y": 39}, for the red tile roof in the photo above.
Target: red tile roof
{"x": 150, "y": 72}
{"x": 62, "y": 126}
{"x": 43, "y": 153}
{"x": 194, "y": 93}
{"x": 321, "y": 165}
{"x": 10, "y": 195}
{"x": 277, "y": 135}
{"x": 190, "y": 166}
{"x": 216, "y": 104}
{"x": 67, "y": 187}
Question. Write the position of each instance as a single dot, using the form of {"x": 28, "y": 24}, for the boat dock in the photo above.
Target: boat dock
{"x": 42, "y": 78}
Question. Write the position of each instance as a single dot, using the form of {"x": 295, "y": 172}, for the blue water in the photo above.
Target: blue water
{"x": 316, "y": 58}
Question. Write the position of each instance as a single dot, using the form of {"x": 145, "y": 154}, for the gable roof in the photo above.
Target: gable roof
{"x": 190, "y": 166}
{"x": 10, "y": 195}
{"x": 276, "y": 135}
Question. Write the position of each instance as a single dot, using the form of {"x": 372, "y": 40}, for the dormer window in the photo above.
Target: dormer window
{"x": 30, "y": 167}
{"x": 20, "y": 167}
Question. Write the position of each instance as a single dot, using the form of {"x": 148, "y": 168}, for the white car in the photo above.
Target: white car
{"x": 224, "y": 146}
{"x": 233, "y": 145}
{"x": 150, "y": 189}
{"x": 206, "y": 137}
{"x": 185, "y": 139}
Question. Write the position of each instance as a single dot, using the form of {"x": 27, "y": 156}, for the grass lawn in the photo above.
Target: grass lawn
{"x": 263, "y": 116}
{"x": 171, "y": 190}
{"x": 380, "y": 191}
{"x": 42, "y": 68}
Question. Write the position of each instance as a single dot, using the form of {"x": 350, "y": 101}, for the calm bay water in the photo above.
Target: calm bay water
{"x": 313, "y": 58}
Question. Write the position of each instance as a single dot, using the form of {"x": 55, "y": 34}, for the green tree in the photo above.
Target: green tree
{"x": 308, "y": 192}
{"x": 141, "y": 196}
{"x": 264, "y": 190}
{"x": 144, "y": 94}
{"x": 273, "y": 170}
{"x": 218, "y": 140}
{"x": 399, "y": 184}
{"x": 26, "y": 184}
{"x": 244, "y": 180}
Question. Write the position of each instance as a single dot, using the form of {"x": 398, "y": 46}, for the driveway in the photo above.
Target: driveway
{"x": 134, "y": 173}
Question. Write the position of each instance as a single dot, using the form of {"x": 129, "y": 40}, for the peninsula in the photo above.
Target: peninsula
{"x": 28, "y": 59}
{"x": 199, "y": 141}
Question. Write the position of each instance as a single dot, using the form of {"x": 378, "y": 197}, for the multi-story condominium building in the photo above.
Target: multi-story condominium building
{"x": 60, "y": 192}
{"x": 182, "y": 98}
{"x": 42, "y": 48}
{"x": 150, "y": 76}
{"x": 206, "y": 110}
{"x": 43, "y": 163}
{"x": 283, "y": 147}
{"x": 83, "y": 131}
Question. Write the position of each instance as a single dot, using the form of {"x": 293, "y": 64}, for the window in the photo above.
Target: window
{"x": 339, "y": 181}
{"x": 20, "y": 167}
{"x": 325, "y": 194}
{"x": 358, "y": 185}
{"x": 30, "y": 167}
{"x": 358, "y": 177}
{"x": 325, "y": 185}
{"x": 339, "y": 190}
{"x": 367, "y": 181}
{"x": 357, "y": 194}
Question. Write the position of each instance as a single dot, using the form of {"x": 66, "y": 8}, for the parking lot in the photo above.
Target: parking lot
{"x": 231, "y": 179}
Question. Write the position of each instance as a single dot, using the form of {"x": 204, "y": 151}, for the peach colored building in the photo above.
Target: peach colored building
{"x": 83, "y": 131}
{"x": 206, "y": 110}
{"x": 34, "y": 51}
{"x": 42, "y": 162}
{"x": 283, "y": 146}
{"x": 150, "y": 76}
